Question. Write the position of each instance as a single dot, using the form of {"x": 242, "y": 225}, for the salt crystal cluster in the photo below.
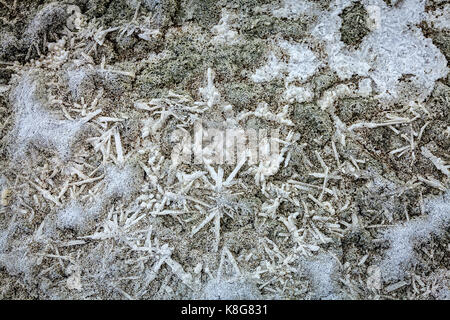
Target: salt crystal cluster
{"x": 163, "y": 149}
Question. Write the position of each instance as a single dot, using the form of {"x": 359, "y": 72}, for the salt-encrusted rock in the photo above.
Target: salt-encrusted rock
{"x": 240, "y": 149}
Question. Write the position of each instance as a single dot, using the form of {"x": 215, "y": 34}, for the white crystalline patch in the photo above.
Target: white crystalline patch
{"x": 322, "y": 272}
{"x": 295, "y": 8}
{"x": 345, "y": 63}
{"x": 36, "y": 126}
{"x": 120, "y": 182}
{"x": 133, "y": 3}
{"x": 365, "y": 87}
{"x": 43, "y": 130}
{"x": 298, "y": 94}
{"x": 302, "y": 64}
{"x": 18, "y": 261}
{"x": 406, "y": 53}
{"x": 394, "y": 48}
{"x": 218, "y": 289}
{"x": 210, "y": 93}
{"x": 223, "y": 31}
{"x": 74, "y": 216}
{"x": 403, "y": 238}
{"x": 440, "y": 18}
{"x": 272, "y": 70}
{"x": 3, "y": 183}
{"x": 75, "y": 81}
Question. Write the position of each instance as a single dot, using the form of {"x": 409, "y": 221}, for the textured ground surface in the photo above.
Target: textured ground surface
{"x": 95, "y": 203}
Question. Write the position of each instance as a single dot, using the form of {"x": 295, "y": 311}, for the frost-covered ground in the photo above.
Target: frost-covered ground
{"x": 120, "y": 179}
